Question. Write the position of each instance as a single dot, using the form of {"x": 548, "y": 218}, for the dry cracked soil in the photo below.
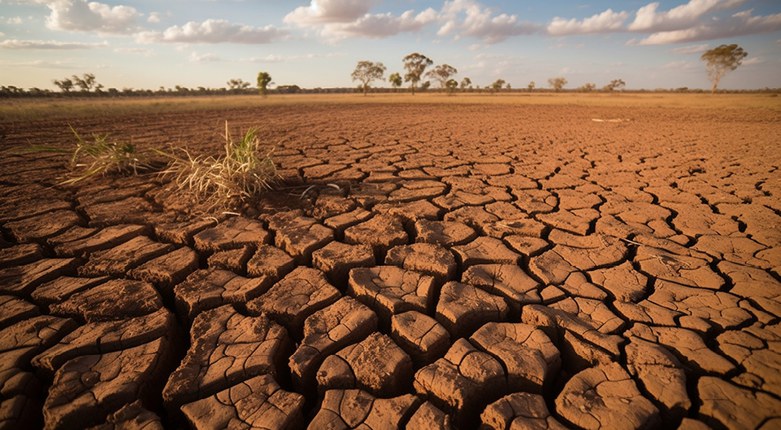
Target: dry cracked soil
{"x": 419, "y": 266}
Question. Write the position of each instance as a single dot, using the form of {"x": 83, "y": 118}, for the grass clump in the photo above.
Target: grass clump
{"x": 98, "y": 156}
{"x": 241, "y": 174}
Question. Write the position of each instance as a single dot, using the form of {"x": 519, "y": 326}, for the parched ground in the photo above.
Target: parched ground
{"x": 427, "y": 266}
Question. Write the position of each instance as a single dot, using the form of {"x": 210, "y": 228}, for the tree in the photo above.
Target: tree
{"x": 237, "y": 85}
{"x": 263, "y": 80}
{"x": 531, "y": 86}
{"x": 366, "y": 72}
{"x": 588, "y": 87}
{"x": 65, "y": 85}
{"x": 466, "y": 83}
{"x": 497, "y": 85}
{"x": 720, "y": 60}
{"x": 557, "y": 83}
{"x": 615, "y": 84}
{"x": 86, "y": 82}
{"x": 451, "y": 86}
{"x": 442, "y": 74}
{"x": 395, "y": 80}
{"x": 415, "y": 64}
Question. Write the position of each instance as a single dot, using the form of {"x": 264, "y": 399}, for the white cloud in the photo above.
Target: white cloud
{"x": 48, "y": 44}
{"x": 41, "y": 64}
{"x": 340, "y": 19}
{"x": 16, "y": 20}
{"x": 329, "y": 11}
{"x": 692, "y": 49}
{"x": 681, "y": 65}
{"x": 380, "y": 25}
{"x": 153, "y": 18}
{"x": 739, "y": 24}
{"x": 272, "y": 58}
{"x": 203, "y": 58}
{"x": 648, "y": 19}
{"x": 606, "y": 21}
{"x": 144, "y": 51}
{"x": 78, "y": 15}
{"x": 470, "y": 18}
{"x": 214, "y": 31}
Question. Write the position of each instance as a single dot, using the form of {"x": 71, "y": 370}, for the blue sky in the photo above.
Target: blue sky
{"x": 316, "y": 43}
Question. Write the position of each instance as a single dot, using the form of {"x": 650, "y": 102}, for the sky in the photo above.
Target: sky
{"x": 317, "y": 43}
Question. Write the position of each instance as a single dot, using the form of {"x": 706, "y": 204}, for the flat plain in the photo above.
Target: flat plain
{"x": 510, "y": 261}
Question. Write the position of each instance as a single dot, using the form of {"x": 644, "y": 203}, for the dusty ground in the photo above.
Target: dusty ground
{"x": 452, "y": 265}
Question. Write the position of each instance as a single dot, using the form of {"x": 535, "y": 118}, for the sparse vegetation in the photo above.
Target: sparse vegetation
{"x": 366, "y": 71}
{"x": 241, "y": 174}
{"x": 416, "y": 65}
{"x": 588, "y": 87}
{"x": 451, "y": 86}
{"x": 497, "y": 85}
{"x": 264, "y": 79}
{"x": 97, "y": 157}
{"x": 236, "y": 85}
{"x": 615, "y": 84}
{"x": 721, "y": 60}
{"x": 395, "y": 80}
{"x": 442, "y": 74}
{"x": 557, "y": 83}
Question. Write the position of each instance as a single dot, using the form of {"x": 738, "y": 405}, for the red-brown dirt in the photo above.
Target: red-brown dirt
{"x": 427, "y": 265}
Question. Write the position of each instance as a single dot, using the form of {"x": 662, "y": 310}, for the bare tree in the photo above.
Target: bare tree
{"x": 720, "y": 60}
{"x": 366, "y": 71}
{"x": 416, "y": 65}
{"x": 557, "y": 83}
{"x": 442, "y": 74}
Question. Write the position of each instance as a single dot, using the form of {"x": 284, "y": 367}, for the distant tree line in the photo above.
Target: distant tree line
{"x": 718, "y": 62}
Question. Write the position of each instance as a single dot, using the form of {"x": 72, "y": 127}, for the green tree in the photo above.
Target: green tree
{"x": 263, "y": 80}
{"x": 451, "y": 86}
{"x": 442, "y": 74}
{"x": 85, "y": 82}
{"x": 557, "y": 83}
{"x": 720, "y": 60}
{"x": 497, "y": 85}
{"x": 588, "y": 87}
{"x": 466, "y": 83}
{"x": 366, "y": 71}
{"x": 531, "y": 86}
{"x": 237, "y": 85}
{"x": 395, "y": 80}
{"x": 65, "y": 85}
{"x": 615, "y": 84}
{"x": 416, "y": 65}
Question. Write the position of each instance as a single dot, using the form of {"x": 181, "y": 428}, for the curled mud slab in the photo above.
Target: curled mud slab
{"x": 497, "y": 266}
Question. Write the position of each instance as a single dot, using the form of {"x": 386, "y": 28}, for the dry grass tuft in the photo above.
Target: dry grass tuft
{"x": 244, "y": 172}
{"x": 99, "y": 156}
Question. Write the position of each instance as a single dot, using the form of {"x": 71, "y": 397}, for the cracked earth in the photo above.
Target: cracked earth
{"x": 419, "y": 266}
